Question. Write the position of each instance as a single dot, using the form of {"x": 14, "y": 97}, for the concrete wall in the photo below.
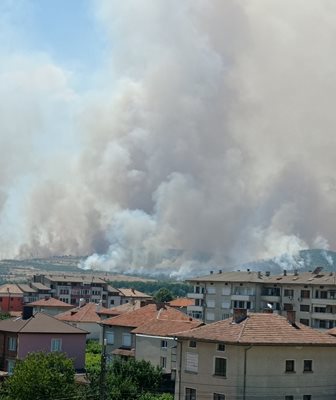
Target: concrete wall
{"x": 72, "y": 344}
{"x": 149, "y": 348}
{"x": 118, "y": 331}
{"x": 265, "y": 372}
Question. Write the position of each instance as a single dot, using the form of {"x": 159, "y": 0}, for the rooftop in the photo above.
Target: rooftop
{"x": 260, "y": 329}
{"x": 39, "y": 323}
{"x": 145, "y": 314}
{"x": 181, "y": 302}
{"x": 87, "y": 313}
{"x": 88, "y": 279}
{"x": 10, "y": 288}
{"x": 49, "y": 302}
{"x": 158, "y": 327}
{"x": 133, "y": 293}
{"x": 231, "y": 276}
{"x": 122, "y": 309}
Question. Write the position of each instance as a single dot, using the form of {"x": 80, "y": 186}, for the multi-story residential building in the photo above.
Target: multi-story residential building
{"x": 311, "y": 294}
{"x": 255, "y": 356}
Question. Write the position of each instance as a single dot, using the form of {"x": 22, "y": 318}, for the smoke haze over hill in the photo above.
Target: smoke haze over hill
{"x": 205, "y": 137}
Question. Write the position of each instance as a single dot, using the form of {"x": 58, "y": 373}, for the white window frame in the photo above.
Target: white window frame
{"x": 54, "y": 347}
{"x": 218, "y": 394}
{"x": 164, "y": 344}
{"x": 128, "y": 342}
{"x": 211, "y": 304}
{"x": 220, "y": 344}
{"x": 163, "y": 362}
{"x": 12, "y": 343}
{"x": 210, "y": 316}
{"x": 192, "y": 388}
{"x": 109, "y": 336}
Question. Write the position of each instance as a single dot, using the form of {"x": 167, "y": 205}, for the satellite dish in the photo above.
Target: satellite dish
{"x": 269, "y": 305}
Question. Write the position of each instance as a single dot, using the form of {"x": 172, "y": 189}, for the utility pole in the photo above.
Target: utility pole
{"x": 102, "y": 378}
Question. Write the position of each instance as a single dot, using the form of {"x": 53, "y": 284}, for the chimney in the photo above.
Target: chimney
{"x": 259, "y": 274}
{"x": 291, "y": 314}
{"x": 285, "y": 272}
{"x": 268, "y": 273}
{"x": 239, "y": 314}
{"x": 211, "y": 272}
{"x": 220, "y": 271}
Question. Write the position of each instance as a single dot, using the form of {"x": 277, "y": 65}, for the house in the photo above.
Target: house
{"x": 256, "y": 356}
{"x": 154, "y": 339}
{"x": 41, "y": 332}
{"x": 11, "y": 298}
{"x": 182, "y": 303}
{"x": 120, "y": 340}
{"x": 311, "y": 294}
{"x": 129, "y": 295}
{"x": 49, "y": 305}
{"x": 87, "y": 317}
{"x": 122, "y": 309}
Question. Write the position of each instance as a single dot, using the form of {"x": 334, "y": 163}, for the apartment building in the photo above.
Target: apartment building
{"x": 255, "y": 356}
{"x": 311, "y": 294}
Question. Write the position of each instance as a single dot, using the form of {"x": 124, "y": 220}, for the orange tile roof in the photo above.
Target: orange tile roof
{"x": 122, "y": 309}
{"x": 260, "y": 329}
{"x": 87, "y": 313}
{"x": 144, "y": 314}
{"x": 158, "y": 327}
{"x": 49, "y": 302}
{"x": 10, "y": 288}
{"x": 182, "y": 302}
{"x": 133, "y": 293}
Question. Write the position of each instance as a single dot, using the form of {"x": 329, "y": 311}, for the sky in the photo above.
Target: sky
{"x": 147, "y": 135}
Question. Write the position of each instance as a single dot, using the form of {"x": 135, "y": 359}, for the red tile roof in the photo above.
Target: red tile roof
{"x": 10, "y": 288}
{"x": 49, "y": 302}
{"x": 39, "y": 323}
{"x": 260, "y": 329}
{"x": 87, "y": 313}
{"x": 122, "y": 309}
{"x": 144, "y": 314}
{"x": 133, "y": 293}
{"x": 182, "y": 302}
{"x": 158, "y": 327}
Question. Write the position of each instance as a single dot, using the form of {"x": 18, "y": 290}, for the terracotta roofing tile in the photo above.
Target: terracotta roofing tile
{"x": 49, "y": 302}
{"x": 158, "y": 327}
{"x": 39, "y": 323}
{"x": 144, "y": 314}
{"x": 87, "y": 313}
{"x": 122, "y": 309}
{"x": 182, "y": 302}
{"x": 10, "y": 288}
{"x": 133, "y": 293}
{"x": 262, "y": 329}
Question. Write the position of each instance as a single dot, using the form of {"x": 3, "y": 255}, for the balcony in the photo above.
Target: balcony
{"x": 241, "y": 297}
{"x": 324, "y": 302}
{"x": 319, "y": 315}
{"x": 195, "y": 308}
{"x": 271, "y": 299}
{"x": 195, "y": 295}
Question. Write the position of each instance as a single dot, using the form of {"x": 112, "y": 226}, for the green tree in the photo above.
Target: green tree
{"x": 125, "y": 380}
{"x": 153, "y": 396}
{"x": 163, "y": 295}
{"x": 93, "y": 356}
{"x": 42, "y": 376}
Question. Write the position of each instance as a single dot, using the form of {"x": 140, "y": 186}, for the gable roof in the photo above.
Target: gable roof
{"x": 49, "y": 302}
{"x": 231, "y": 276}
{"x": 87, "y": 313}
{"x": 147, "y": 313}
{"x": 38, "y": 323}
{"x": 10, "y": 288}
{"x": 259, "y": 329}
{"x": 122, "y": 309}
{"x": 182, "y": 302}
{"x": 158, "y": 327}
{"x": 133, "y": 293}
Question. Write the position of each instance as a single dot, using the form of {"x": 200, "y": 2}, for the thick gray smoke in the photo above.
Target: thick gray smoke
{"x": 208, "y": 139}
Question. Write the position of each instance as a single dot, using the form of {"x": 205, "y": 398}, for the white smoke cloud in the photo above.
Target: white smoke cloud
{"x": 207, "y": 140}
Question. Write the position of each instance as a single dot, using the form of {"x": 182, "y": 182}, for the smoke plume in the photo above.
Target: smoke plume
{"x": 207, "y": 138}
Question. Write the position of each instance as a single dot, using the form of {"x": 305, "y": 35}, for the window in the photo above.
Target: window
{"x": 226, "y": 291}
{"x": 305, "y": 294}
{"x": 110, "y": 337}
{"x": 225, "y": 316}
{"x": 163, "y": 362}
{"x": 290, "y": 366}
{"x": 12, "y": 343}
{"x": 289, "y": 397}
{"x": 220, "y": 347}
{"x": 210, "y": 316}
{"x": 307, "y": 397}
{"x": 220, "y": 366}
{"x": 289, "y": 293}
{"x": 211, "y": 303}
{"x": 192, "y": 343}
{"x": 111, "y": 302}
{"x": 305, "y": 307}
{"x": 191, "y": 362}
{"x": 288, "y": 306}
{"x": 10, "y": 366}
{"x": 126, "y": 340}
{"x": 218, "y": 396}
{"x": 304, "y": 321}
{"x": 226, "y": 304}
{"x": 164, "y": 344}
{"x": 307, "y": 365}
{"x": 190, "y": 394}
{"x": 56, "y": 344}
{"x": 211, "y": 290}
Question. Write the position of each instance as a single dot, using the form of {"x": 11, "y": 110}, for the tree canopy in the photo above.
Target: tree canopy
{"x": 41, "y": 376}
